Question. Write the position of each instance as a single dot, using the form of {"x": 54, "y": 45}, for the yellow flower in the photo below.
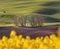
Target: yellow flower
{"x": 1, "y": 44}
{"x": 46, "y": 40}
{"x": 18, "y": 44}
{"x": 4, "y": 39}
{"x": 41, "y": 37}
{"x": 13, "y": 34}
{"x": 53, "y": 37}
{"x": 28, "y": 37}
{"x": 41, "y": 46}
{"x": 58, "y": 32}
{"x": 20, "y": 37}
{"x": 27, "y": 42}
{"x": 37, "y": 41}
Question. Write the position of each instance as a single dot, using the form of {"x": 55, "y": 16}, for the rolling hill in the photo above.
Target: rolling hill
{"x": 49, "y": 8}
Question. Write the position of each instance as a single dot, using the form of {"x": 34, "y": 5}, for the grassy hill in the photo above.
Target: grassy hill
{"x": 49, "y": 8}
{"x": 26, "y": 7}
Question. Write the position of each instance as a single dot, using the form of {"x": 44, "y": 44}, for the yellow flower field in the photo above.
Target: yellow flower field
{"x": 19, "y": 42}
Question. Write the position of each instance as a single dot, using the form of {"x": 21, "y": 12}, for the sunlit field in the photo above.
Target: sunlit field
{"x": 50, "y": 8}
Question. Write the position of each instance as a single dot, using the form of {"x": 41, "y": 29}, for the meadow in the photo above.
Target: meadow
{"x": 28, "y": 7}
{"x": 50, "y": 8}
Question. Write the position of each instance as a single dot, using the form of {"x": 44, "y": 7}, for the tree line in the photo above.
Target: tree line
{"x": 34, "y": 20}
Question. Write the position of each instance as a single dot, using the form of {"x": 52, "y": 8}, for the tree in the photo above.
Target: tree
{"x": 15, "y": 18}
{"x": 40, "y": 20}
{"x": 37, "y": 20}
{"x": 22, "y": 20}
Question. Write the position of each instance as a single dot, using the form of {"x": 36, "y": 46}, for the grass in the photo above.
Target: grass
{"x": 5, "y": 25}
{"x": 48, "y": 24}
{"x": 16, "y": 7}
{"x": 26, "y": 7}
{"x": 44, "y": 24}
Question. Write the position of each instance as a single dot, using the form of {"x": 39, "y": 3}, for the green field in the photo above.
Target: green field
{"x": 25, "y": 7}
{"x": 28, "y": 7}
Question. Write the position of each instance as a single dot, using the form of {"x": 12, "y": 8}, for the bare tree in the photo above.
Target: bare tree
{"x": 22, "y": 20}
{"x": 40, "y": 20}
{"x": 15, "y": 18}
{"x": 37, "y": 20}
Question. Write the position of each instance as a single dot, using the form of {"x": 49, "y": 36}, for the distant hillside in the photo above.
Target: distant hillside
{"x": 28, "y": 7}
{"x": 8, "y": 19}
{"x": 50, "y": 19}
